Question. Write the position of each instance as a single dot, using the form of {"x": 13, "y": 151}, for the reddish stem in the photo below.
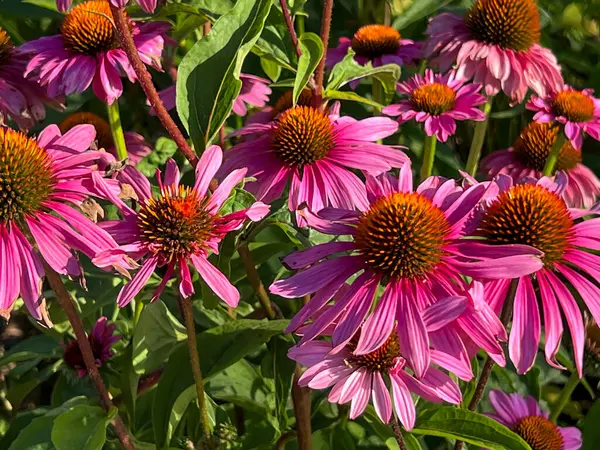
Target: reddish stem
{"x": 301, "y": 401}
{"x": 320, "y": 74}
{"x": 290, "y": 26}
{"x": 145, "y": 80}
{"x": 66, "y": 302}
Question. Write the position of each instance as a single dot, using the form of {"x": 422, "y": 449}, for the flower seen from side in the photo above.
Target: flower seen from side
{"x": 534, "y": 214}
{"x": 87, "y": 52}
{"x": 101, "y": 338}
{"x": 409, "y": 242}
{"x": 41, "y": 180}
{"x": 497, "y": 45}
{"x": 314, "y": 153}
{"x": 438, "y": 101}
{"x": 180, "y": 225}
{"x": 525, "y": 418}
{"x": 578, "y": 111}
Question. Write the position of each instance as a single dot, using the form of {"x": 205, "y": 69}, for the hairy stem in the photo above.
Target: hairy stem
{"x": 320, "y": 73}
{"x": 554, "y": 154}
{"x": 188, "y": 315}
{"x": 478, "y": 139}
{"x": 565, "y": 396}
{"x": 254, "y": 278}
{"x": 428, "y": 156}
{"x": 290, "y": 26}
{"x": 66, "y": 302}
{"x": 397, "y": 433}
{"x": 145, "y": 80}
{"x": 114, "y": 120}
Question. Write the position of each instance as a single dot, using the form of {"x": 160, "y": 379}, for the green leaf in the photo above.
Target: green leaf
{"x": 157, "y": 332}
{"x": 532, "y": 379}
{"x": 468, "y": 426}
{"x": 164, "y": 149}
{"x": 42, "y": 346}
{"x": 83, "y": 427}
{"x": 351, "y": 96}
{"x": 416, "y": 11}
{"x": 591, "y": 430}
{"x": 312, "y": 52}
{"x": 349, "y": 70}
{"x": 271, "y": 68}
{"x": 280, "y": 368}
{"x": 27, "y": 383}
{"x": 209, "y": 75}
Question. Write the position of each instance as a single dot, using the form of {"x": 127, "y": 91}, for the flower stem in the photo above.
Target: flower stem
{"x": 66, "y": 302}
{"x": 254, "y": 278}
{"x": 114, "y": 120}
{"x": 554, "y": 154}
{"x": 486, "y": 371}
{"x": 188, "y": 315}
{"x": 301, "y": 402}
{"x": 565, "y": 396}
{"x": 397, "y": 433}
{"x": 145, "y": 80}
{"x": 290, "y": 26}
{"x": 478, "y": 138}
{"x": 428, "y": 156}
{"x": 320, "y": 73}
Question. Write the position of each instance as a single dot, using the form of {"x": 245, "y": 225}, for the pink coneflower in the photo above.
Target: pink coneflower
{"x": 527, "y": 158}
{"x": 87, "y": 52}
{"x": 137, "y": 147}
{"x": 101, "y": 338}
{"x": 497, "y": 44}
{"x": 378, "y": 44}
{"x": 21, "y": 100}
{"x": 536, "y": 215}
{"x": 39, "y": 179}
{"x": 438, "y": 101}
{"x": 255, "y": 92}
{"x": 178, "y": 226}
{"x": 358, "y": 377}
{"x": 409, "y": 242}
{"x": 579, "y": 111}
{"x": 316, "y": 152}
{"x": 525, "y": 418}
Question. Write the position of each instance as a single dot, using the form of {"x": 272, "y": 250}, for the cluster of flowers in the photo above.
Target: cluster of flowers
{"x": 391, "y": 308}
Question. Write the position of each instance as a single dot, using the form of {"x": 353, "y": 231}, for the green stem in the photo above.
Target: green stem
{"x": 478, "y": 139}
{"x": 114, "y": 120}
{"x": 554, "y": 154}
{"x": 565, "y": 396}
{"x": 428, "y": 156}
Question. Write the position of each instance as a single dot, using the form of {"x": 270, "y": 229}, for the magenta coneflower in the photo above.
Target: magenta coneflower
{"x": 525, "y": 418}
{"x": 178, "y": 226}
{"x": 358, "y": 377}
{"x": 316, "y": 152}
{"x": 87, "y": 52}
{"x": 39, "y": 179}
{"x": 101, "y": 338}
{"x": 438, "y": 101}
{"x": 536, "y": 215}
{"x": 496, "y": 44}
{"x": 527, "y": 158}
{"x": 378, "y": 44}
{"x": 410, "y": 243}
{"x": 579, "y": 111}
{"x": 137, "y": 147}
{"x": 21, "y": 100}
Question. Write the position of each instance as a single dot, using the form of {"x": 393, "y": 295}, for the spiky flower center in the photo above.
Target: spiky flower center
{"x": 574, "y": 105}
{"x": 510, "y": 24}
{"x": 372, "y": 41}
{"x": 88, "y": 28}
{"x": 531, "y": 215}
{"x": 402, "y": 235}
{"x": 103, "y": 133}
{"x": 6, "y": 46}
{"x": 26, "y": 175}
{"x": 380, "y": 360}
{"x": 285, "y": 102}
{"x": 435, "y": 98}
{"x": 533, "y": 146}
{"x": 302, "y": 135}
{"x": 176, "y": 223}
{"x": 539, "y": 433}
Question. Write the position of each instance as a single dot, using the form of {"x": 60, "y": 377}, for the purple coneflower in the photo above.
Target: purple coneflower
{"x": 87, "y": 51}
